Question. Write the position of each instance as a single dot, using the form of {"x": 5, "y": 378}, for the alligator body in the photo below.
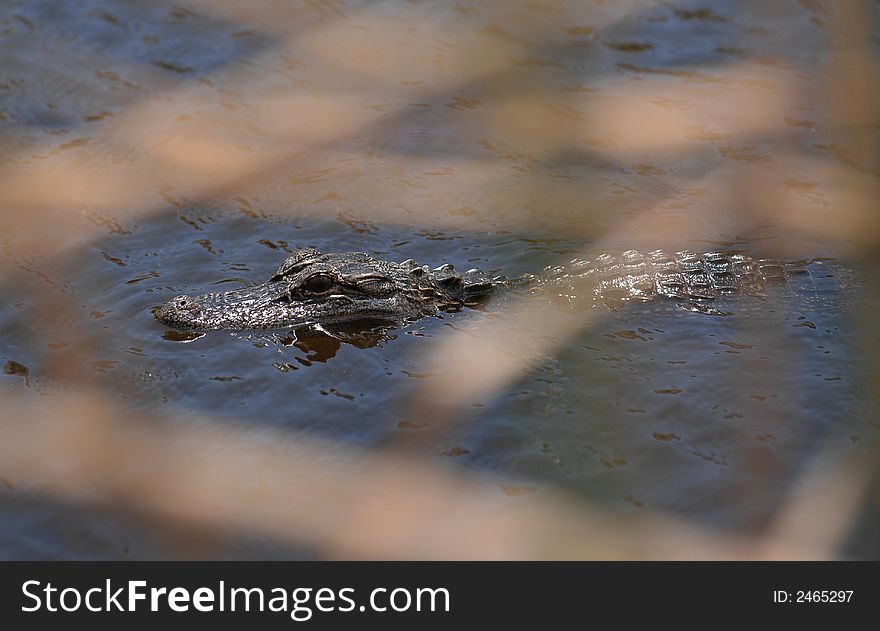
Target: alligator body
{"x": 315, "y": 288}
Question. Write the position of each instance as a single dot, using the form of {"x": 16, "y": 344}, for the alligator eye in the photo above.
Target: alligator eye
{"x": 318, "y": 284}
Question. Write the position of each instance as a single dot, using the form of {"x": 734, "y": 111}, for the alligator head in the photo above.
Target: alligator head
{"x": 311, "y": 287}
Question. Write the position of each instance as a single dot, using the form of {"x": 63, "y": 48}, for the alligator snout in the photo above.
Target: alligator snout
{"x": 185, "y": 303}
{"x": 178, "y": 306}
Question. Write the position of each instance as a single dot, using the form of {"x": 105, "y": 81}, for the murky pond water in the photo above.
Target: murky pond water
{"x": 477, "y": 135}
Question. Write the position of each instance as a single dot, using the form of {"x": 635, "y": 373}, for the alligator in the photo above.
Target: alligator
{"x": 314, "y": 288}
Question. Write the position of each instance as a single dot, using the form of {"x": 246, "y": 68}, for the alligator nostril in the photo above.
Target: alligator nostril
{"x": 185, "y": 302}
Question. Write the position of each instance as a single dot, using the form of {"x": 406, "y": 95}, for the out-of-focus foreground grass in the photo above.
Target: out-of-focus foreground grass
{"x": 234, "y": 131}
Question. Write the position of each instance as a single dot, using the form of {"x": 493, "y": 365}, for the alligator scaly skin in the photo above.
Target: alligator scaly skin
{"x": 683, "y": 275}
{"x": 315, "y": 288}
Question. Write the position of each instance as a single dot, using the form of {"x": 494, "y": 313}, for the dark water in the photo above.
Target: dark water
{"x": 649, "y": 407}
